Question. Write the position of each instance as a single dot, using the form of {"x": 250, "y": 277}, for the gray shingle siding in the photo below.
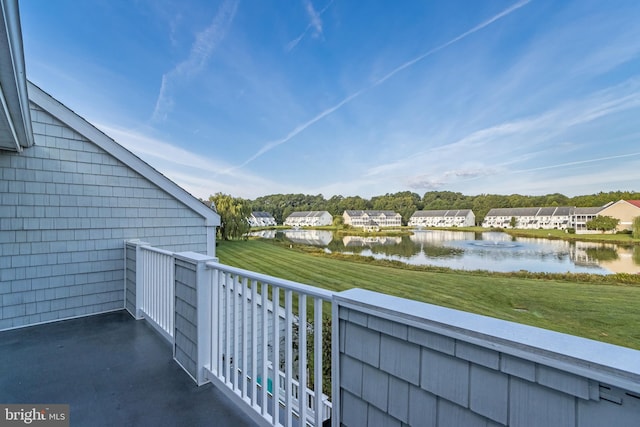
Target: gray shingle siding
{"x": 130, "y": 266}
{"x": 186, "y": 324}
{"x": 429, "y": 379}
{"x": 66, "y": 207}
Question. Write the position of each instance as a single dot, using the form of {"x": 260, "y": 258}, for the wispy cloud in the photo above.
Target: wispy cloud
{"x": 273, "y": 144}
{"x": 315, "y": 24}
{"x": 201, "y": 50}
{"x": 504, "y": 148}
{"x": 467, "y": 33}
{"x": 194, "y": 172}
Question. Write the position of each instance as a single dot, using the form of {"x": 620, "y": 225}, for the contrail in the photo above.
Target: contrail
{"x": 577, "y": 162}
{"x": 273, "y": 144}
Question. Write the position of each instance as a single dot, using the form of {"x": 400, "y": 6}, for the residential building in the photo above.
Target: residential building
{"x": 625, "y": 211}
{"x": 443, "y": 218}
{"x": 261, "y": 219}
{"x": 372, "y": 218}
{"x": 561, "y": 217}
{"x": 309, "y": 219}
{"x": 583, "y": 215}
{"x": 502, "y": 218}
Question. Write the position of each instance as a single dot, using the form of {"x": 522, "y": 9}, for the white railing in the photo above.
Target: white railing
{"x": 310, "y": 400}
{"x": 252, "y": 327}
{"x": 157, "y": 288}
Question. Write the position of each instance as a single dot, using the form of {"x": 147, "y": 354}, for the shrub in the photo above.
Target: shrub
{"x": 571, "y": 230}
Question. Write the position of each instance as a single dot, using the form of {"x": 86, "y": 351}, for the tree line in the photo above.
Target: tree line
{"x": 407, "y": 202}
{"x": 234, "y": 210}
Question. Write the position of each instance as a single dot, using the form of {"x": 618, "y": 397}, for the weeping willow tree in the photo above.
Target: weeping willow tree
{"x": 233, "y": 212}
{"x": 636, "y": 227}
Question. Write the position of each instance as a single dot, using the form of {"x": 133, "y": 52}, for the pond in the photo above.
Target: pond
{"x": 463, "y": 250}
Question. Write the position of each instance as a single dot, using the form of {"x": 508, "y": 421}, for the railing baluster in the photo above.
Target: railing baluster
{"x": 265, "y": 349}
{"x": 237, "y": 283}
{"x": 254, "y": 341}
{"x": 275, "y": 295}
{"x": 302, "y": 358}
{"x": 288, "y": 351}
{"x": 221, "y": 292}
{"x": 227, "y": 337}
{"x": 317, "y": 360}
{"x": 245, "y": 337}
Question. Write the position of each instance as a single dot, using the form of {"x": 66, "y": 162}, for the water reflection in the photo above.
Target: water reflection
{"x": 494, "y": 251}
{"x": 370, "y": 241}
{"x": 309, "y": 237}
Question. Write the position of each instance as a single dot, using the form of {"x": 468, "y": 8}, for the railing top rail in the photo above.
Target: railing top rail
{"x": 286, "y": 284}
{"x": 157, "y": 250}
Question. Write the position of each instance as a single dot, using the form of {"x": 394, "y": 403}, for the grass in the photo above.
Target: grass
{"x": 605, "y": 311}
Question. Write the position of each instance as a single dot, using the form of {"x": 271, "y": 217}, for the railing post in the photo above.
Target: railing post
{"x": 139, "y": 277}
{"x": 193, "y": 311}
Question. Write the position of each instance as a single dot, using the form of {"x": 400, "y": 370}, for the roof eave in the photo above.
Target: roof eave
{"x": 13, "y": 81}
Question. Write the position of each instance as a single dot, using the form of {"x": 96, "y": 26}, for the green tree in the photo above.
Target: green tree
{"x": 513, "y": 222}
{"x": 233, "y": 213}
{"x": 602, "y": 223}
{"x": 636, "y": 227}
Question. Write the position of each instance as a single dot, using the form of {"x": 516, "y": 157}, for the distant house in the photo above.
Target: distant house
{"x": 309, "y": 219}
{"x": 443, "y": 218}
{"x": 372, "y": 218}
{"x": 261, "y": 219}
{"x": 624, "y": 210}
{"x": 559, "y": 217}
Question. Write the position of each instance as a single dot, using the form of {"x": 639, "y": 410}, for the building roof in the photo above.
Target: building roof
{"x": 428, "y": 214}
{"x": 635, "y": 203}
{"x": 440, "y": 213}
{"x": 15, "y": 118}
{"x": 587, "y": 210}
{"x": 546, "y": 211}
{"x": 513, "y": 212}
{"x": 97, "y": 137}
{"x": 260, "y": 214}
{"x": 370, "y": 212}
{"x": 307, "y": 214}
{"x": 564, "y": 210}
{"x": 534, "y": 211}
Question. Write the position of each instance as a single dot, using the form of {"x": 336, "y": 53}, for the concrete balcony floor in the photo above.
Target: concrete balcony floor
{"x": 112, "y": 370}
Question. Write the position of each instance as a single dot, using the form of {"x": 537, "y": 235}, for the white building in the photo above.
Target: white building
{"x": 261, "y": 219}
{"x": 309, "y": 219}
{"x": 443, "y": 218}
{"x": 372, "y": 218}
{"x": 561, "y": 217}
{"x": 583, "y": 215}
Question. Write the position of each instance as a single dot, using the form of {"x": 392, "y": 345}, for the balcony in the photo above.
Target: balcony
{"x": 111, "y": 370}
{"x": 213, "y": 342}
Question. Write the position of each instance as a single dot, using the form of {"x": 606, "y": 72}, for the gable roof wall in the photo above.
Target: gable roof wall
{"x": 84, "y": 128}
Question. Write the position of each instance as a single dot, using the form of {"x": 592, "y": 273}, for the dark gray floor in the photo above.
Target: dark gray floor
{"x": 112, "y": 370}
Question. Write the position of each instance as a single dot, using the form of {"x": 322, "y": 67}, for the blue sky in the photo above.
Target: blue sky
{"x": 253, "y": 97}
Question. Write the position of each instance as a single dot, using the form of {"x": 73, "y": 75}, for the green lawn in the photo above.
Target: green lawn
{"x": 606, "y": 312}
